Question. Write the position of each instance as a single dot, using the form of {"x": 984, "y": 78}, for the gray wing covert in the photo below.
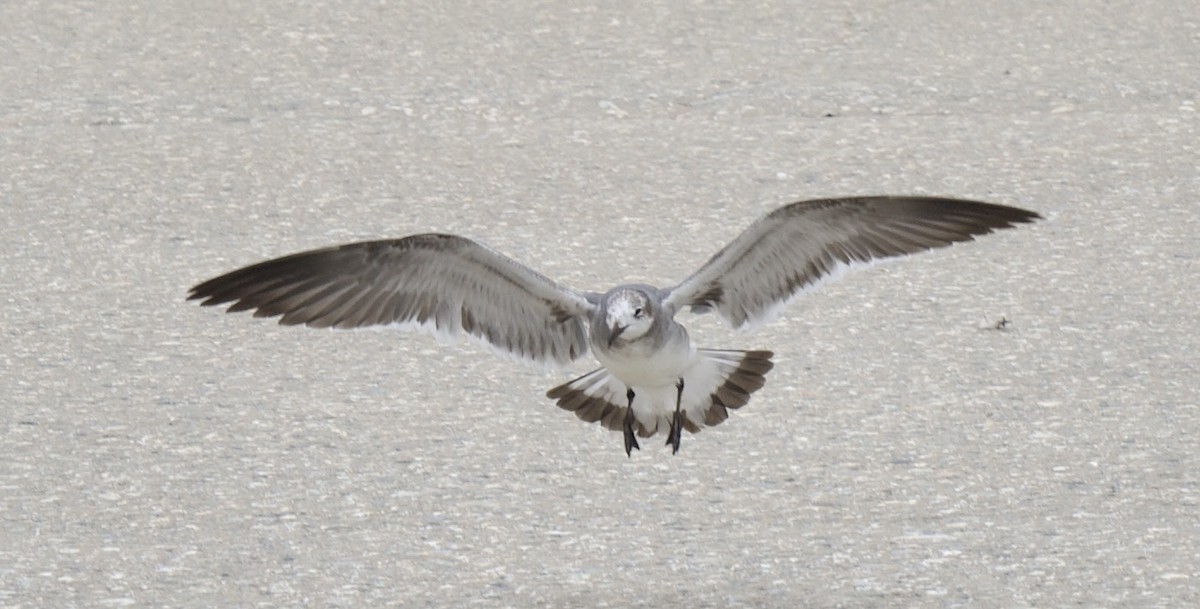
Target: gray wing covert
{"x": 797, "y": 246}
{"x": 446, "y": 284}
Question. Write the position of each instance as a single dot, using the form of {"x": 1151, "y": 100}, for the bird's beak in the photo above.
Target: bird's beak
{"x": 614, "y": 333}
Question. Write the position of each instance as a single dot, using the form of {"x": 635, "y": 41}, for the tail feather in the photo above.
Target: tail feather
{"x": 593, "y": 397}
{"x": 717, "y": 382}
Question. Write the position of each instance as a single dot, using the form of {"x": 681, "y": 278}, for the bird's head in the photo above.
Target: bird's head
{"x": 628, "y": 314}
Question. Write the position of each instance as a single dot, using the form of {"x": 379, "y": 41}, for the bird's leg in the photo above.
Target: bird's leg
{"x": 630, "y": 439}
{"x": 675, "y": 435}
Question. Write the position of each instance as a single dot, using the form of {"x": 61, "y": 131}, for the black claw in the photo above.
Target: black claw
{"x": 675, "y": 435}
{"x": 630, "y": 439}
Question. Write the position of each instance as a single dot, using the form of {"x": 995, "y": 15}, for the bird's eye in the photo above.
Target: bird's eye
{"x": 637, "y": 313}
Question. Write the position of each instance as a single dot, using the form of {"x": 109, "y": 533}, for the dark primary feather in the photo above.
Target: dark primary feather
{"x": 446, "y": 283}
{"x": 797, "y": 245}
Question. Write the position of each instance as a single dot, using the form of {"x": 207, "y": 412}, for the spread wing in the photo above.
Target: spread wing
{"x": 443, "y": 283}
{"x": 797, "y": 246}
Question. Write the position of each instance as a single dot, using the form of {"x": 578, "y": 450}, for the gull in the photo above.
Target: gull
{"x": 652, "y": 378}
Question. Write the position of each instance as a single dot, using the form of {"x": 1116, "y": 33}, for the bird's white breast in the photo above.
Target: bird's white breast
{"x": 642, "y": 364}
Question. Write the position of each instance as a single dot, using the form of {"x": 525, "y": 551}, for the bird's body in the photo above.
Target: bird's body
{"x": 646, "y": 363}
{"x": 652, "y": 378}
{"x": 653, "y": 354}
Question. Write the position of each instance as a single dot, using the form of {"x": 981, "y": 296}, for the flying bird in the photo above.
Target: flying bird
{"x": 652, "y": 378}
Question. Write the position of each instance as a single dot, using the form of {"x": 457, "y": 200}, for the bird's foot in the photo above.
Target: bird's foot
{"x": 630, "y": 439}
{"x": 675, "y": 435}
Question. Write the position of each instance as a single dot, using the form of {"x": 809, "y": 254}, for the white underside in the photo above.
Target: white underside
{"x": 639, "y": 365}
{"x": 653, "y": 378}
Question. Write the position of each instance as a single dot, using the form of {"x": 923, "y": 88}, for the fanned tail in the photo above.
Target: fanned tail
{"x": 740, "y": 374}
{"x": 594, "y": 397}
{"x": 716, "y": 382}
